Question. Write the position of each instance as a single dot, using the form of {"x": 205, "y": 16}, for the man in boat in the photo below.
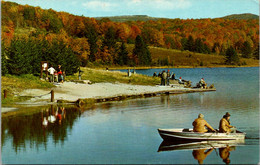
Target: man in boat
{"x": 224, "y": 124}
{"x": 200, "y": 125}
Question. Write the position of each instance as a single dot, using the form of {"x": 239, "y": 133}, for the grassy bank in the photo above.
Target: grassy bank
{"x": 96, "y": 76}
{"x": 16, "y": 84}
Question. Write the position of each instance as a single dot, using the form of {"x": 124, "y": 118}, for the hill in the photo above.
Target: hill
{"x": 126, "y": 18}
{"x": 97, "y": 41}
{"x": 246, "y": 16}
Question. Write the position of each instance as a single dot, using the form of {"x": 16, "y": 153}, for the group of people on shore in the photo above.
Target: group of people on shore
{"x": 56, "y": 75}
{"x": 167, "y": 76}
{"x": 201, "y": 125}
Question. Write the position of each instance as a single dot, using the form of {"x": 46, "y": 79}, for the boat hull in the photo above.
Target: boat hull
{"x": 189, "y": 135}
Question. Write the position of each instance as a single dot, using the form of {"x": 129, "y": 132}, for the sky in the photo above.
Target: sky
{"x": 183, "y": 9}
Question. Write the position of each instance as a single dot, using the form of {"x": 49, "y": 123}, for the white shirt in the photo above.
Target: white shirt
{"x": 51, "y": 70}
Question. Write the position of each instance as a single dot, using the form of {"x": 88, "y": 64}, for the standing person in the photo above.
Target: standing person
{"x": 56, "y": 77}
{"x": 59, "y": 68}
{"x": 51, "y": 70}
{"x": 224, "y": 124}
{"x": 164, "y": 77}
{"x": 60, "y": 76}
{"x": 200, "y": 125}
{"x": 168, "y": 77}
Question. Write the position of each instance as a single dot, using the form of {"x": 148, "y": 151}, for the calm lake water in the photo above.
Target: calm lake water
{"x": 126, "y": 131}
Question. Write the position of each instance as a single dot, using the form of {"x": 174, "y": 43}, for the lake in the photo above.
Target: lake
{"x": 126, "y": 131}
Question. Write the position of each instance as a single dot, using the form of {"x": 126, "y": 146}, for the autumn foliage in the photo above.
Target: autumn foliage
{"x": 99, "y": 41}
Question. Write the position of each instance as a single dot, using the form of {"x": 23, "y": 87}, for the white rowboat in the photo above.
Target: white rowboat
{"x": 188, "y": 134}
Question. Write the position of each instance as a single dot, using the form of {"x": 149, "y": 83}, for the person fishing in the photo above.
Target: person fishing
{"x": 224, "y": 124}
{"x": 201, "y": 125}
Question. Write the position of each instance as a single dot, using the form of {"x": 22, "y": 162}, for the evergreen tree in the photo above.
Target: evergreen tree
{"x": 110, "y": 38}
{"x": 246, "y": 50}
{"x": 92, "y": 36}
{"x": 184, "y": 43}
{"x": 4, "y": 68}
{"x": 142, "y": 52}
{"x": 231, "y": 56}
{"x": 123, "y": 55}
{"x": 256, "y": 53}
{"x": 19, "y": 57}
{"x": 199, "y": 47}
{"x": 190, "y": 43}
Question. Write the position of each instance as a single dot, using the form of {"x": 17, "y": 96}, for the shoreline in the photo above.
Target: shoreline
{"x": 86, "y": 93}
{"x": 176, "y": 67}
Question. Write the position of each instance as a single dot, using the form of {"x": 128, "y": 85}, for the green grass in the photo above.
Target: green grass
{"x": 191, "y": 59}
{"x": 96, "y": 76}
{"x": 16, "y": 84}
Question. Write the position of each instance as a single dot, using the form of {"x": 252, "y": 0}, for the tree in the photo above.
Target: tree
{"x": 123, "y": 55}
{"x": 142, "y": 52}
{"x": 92, "y": 36}
{"x": 246, "y": 50}
{"x": 110, "y": 38}
{"x": 19, "y": 57}
{"x": 231, "y": 56}
{"x": 190, "y": 43}
{"x": 256, "y": 52}
{"x": 4, "y": 68}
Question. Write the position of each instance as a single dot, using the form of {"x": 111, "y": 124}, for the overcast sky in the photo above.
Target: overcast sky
{"x": 156, "y": 8}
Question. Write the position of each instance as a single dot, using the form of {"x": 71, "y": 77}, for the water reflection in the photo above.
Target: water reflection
{"x": 51, "y": 123}
{"x": 201, "y": 150}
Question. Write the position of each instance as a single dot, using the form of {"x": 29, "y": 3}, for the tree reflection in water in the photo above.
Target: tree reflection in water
{"x": 52, "y": 123}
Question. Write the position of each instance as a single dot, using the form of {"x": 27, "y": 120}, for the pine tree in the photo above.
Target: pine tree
{"x": 190, "y": 43}
{"x": 246, "y": 50}
{"x": 92, "y": 36}
{"x": 142, "y": 52}
{"x": 231, "y": 56}
{"x": 19, "y": 57}
{"x": 123, "y": 55}
{"x": 4, "y": 68}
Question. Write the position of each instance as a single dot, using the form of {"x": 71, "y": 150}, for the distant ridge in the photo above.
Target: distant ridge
{"x": 245, "y": 16}
{"x": 125, "y": 18}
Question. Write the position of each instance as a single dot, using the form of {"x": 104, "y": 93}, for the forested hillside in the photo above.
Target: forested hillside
{"x": 100, "y": 41}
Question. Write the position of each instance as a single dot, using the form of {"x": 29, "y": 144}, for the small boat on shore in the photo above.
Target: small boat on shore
{"x": 189, "y": 135}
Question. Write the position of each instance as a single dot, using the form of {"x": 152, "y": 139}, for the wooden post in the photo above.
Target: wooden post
{"x": 52, "y": 95}
{"x": 5, "y": 93}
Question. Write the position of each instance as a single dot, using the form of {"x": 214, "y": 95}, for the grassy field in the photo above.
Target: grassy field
{"x": 187, "y": 59}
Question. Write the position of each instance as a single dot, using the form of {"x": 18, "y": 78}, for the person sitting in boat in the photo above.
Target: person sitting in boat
{"x": 224, "y": 124}
{"x": 202, "y": 83}
{"x": 200, "y": 125}
{"x": 180, "y": 81}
